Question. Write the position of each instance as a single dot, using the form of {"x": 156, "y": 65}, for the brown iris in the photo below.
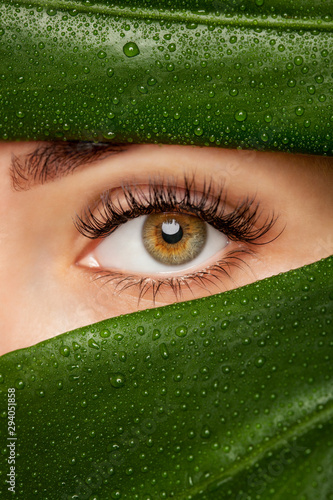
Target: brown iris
{"x": 174, "y": 238}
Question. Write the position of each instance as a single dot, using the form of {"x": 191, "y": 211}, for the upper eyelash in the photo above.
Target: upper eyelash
{"x": 209, "y": 204}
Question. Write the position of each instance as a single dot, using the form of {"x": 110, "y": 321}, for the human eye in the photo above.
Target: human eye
{"x": 171, "y": 235}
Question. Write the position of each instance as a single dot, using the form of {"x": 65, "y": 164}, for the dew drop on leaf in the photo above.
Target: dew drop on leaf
{"x": 19, "y": 384}
{"x": 117, "y": 380}
{"x": 64, "y": 351}
{"x": 105, "y": 333}
{"x": 131, "y": 49}
{"x": 101, "y": 54}
{"x": 260, "y": 361}
{"x": 241, "y": 115}
{"x": 181, "y": 331}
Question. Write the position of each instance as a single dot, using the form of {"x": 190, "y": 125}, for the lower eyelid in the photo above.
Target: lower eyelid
{"x": 214, "y": 278}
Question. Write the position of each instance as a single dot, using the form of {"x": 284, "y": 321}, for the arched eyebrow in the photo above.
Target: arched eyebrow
{"x": 54, "y": 160}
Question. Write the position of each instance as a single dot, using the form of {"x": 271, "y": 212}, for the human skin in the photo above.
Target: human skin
{"x": 47, "y": 290}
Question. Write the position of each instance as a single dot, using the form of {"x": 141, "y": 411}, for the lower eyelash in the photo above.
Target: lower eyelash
{"x": 213, "y": 274}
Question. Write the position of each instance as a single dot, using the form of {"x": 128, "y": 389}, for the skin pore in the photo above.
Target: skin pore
{"x": 50, "y": 283}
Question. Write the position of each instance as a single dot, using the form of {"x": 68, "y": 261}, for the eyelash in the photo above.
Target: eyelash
{"x": 209, "y": 204}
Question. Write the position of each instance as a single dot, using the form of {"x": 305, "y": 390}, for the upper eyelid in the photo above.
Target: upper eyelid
{"x": 112, "y": 215}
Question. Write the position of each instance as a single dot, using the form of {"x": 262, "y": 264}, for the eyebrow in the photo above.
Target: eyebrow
{"x": 53, "y": 160}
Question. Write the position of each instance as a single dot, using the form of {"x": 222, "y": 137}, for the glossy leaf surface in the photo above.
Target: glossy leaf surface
{"x": 223, "y": 397}
{"x": 251, "y": 74}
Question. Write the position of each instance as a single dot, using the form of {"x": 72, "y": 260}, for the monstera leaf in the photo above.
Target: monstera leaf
{"x": 223, "y": 397}
{"x": 229, "y": 73}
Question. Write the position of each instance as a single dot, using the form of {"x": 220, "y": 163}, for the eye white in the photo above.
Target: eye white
{"x": 124, "y": 251}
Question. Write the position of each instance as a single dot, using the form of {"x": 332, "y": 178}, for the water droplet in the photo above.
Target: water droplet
{"x": 116, "y": 494}
{"x": 140, "y": 330}
{"x": 109, "y": 72}
{"x": 151, "y": 81}
{"x": 93, "y": 344}
{"x": 64, "y": 351}
{"x": 20, "y": 114}
{"x": 298, "y": 60}
{"x": 105, "y": 333}
{"x": 109, "y": 135}
{"x": 51, "y": 12}
{"x": 164, "y": 351}
{"x": 181, "y": 331}
{"x": 259, "y": 362}
{"x": 205, "y": 432}
{"x": 299, "y": 111}
{"x": 2, "y": 378}
{"x": 117, "y": 380}
{"x": 191, "y": 26}
{"x": 268, "y": 118}
{"x": 101, "y": 54}
{"x": 259, "y": 3}
{"x": 142, "y": 89}
{"x": 241, "y": 115}
{"x": 131, "y": 49}
{"x": 19, "y": 384}
{"x": 156, "y": 334}
{"x": 198, "y": 131}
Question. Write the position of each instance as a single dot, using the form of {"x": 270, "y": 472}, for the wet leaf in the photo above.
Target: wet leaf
{"x": 251, "y": 74}
{"x": 233, "y": 399}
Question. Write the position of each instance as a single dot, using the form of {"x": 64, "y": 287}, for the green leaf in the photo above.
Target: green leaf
{"x": 223, "y": 397}
{"x": 251, "y": 74}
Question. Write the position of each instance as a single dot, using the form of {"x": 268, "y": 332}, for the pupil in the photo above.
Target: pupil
{"x": 171, "y": 231}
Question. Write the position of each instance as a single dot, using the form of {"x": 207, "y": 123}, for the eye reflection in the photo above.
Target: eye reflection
{"x": 174, "y": 238}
